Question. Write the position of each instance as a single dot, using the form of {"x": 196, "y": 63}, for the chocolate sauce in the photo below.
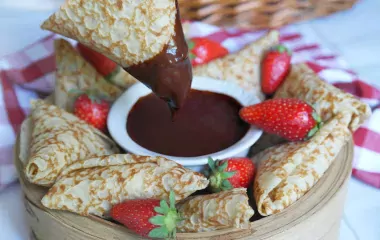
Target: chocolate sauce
{"x": 207, "y": 123}
{"x": 168, "y": 74}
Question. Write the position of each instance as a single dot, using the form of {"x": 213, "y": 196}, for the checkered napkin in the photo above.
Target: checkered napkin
{"x": 29, "y": 74}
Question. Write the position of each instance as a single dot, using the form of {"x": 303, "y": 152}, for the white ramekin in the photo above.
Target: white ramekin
{"x": 117, "y": 121}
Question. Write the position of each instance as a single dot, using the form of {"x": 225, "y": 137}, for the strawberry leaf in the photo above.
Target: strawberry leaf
{"x": 222, "y": 167}
{"x": 316, "y": 117}
{"x": 312, "y": 131}
{"x": 172, "y": 200}
{"x": 157, "y": 220}
{"x": 159, "y": 210}
{"x": 219, "y": 177}
{"x": 226, "y": 175}
{"x": 192, "y": 56}
{"x": 168, "y": 220}
{"x": 211, "y": 164}
{"x": 190, "y": 44}
{"x": 160, "y": 232}
{"x": 164, "y": 206}
{"x": 226, "y": 185}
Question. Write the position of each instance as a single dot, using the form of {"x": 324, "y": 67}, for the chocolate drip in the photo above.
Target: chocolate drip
{"x": 168, "y": 74}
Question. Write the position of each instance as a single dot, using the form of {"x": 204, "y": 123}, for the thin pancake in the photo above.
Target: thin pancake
{"x": 92, "y": 186}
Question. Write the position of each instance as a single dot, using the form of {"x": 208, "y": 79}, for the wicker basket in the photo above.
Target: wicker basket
{"x": 259, "y": 14}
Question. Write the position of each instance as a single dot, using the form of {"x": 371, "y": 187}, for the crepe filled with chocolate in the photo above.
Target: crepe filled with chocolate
{"x": 57, "y": 139}
{"x": 289, "y": 170}
{"x": 92, "y": 186}
{"x": 144, "y": 37}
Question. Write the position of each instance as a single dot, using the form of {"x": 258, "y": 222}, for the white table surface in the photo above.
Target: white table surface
{"x": 355, "y": 34}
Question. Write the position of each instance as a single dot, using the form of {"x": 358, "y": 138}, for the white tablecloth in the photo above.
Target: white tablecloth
{"x": 355, "y": 34}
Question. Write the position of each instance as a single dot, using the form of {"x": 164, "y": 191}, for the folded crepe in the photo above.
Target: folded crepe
{"x": 304, "y": 84}
{"x": 128, "y": 32}
{"x": 215, "y": 211}
{"x": 92, "y": 186}
{"x": 242, "y": 67}
{"x": 58, "y": 139}
{"x": 286, "y": 172}
{"x": 144, "y": 37}
{"x": 75, "y": 73}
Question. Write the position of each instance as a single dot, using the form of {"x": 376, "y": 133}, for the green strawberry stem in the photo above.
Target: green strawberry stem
{"x": 317, "y": 126}
{"x": 190, "y": 44}
{"x": 281, "y": 48}
{"x": 94, "y": 94}
{"x": 110, "y": 76}
{"x": 167, "y": 219}
{"x": 219, "y": 177}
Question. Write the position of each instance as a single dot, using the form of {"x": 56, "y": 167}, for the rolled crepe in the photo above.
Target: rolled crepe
{"x": 92, "y": 186}
{"x": 58, "y": 139}
{"x": 304, "y": 84}
{"x": 215, "y": 211}
{"x": 74, "y": 73}
{"x": 128, "y": 32}
{"x": 242, "y": 67}
{"x": 286, "y": 172}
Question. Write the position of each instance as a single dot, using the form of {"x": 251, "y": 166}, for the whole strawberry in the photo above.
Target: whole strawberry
{"x": 230, "y": 173}
{"x": 275, "y": 68}
{"x": 203, "y": 50}
{"x": 92, "y": 110}
{"x": 148, "y": 217}
{"x": 289, "y": 118}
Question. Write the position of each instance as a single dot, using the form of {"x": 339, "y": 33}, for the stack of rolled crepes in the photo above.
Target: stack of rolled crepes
{"x": 287, "y": 171}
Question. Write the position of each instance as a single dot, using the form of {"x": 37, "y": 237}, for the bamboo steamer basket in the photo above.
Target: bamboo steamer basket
{"x": 259, "y": 14}
{"x": 316, "y": 215}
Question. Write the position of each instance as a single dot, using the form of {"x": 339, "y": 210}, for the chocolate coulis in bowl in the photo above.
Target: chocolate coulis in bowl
{"x": 168, "y": 74}
{"x": 207, "y": 123}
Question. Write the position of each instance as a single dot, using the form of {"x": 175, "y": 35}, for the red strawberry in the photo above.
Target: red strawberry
{"x": 289, "y": 118}
{"x": 101, "y": 63}
{"x": 92, "y": 110}
{"x": 231, "y": 173}
{"x": 203, "y": 50}
{"x": 148, "y": 217}
{"x": 275, "y": 68}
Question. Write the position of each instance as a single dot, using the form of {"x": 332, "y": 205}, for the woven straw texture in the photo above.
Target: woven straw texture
{"x": 259, "y": 14}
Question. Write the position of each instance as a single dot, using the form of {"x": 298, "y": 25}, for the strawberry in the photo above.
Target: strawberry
{"x": 92, "y": 110}
{"x": 230, "y": 173}
{"x": 203, "y": 50}
{"x": 289, "y": 118}
{"x": 148, "y": 217}
{"x": 101, "y": 63}
{"x": 275, "y": 68}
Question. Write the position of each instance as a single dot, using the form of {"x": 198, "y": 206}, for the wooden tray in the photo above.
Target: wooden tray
{"x": 316, "y": 215}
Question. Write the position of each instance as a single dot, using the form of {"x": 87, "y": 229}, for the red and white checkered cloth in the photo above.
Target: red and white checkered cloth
{"x": 29, "y": 73}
